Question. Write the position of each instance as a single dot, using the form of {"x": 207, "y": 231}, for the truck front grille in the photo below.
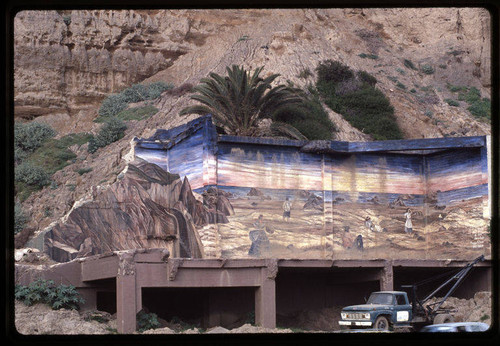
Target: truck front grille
{"x": 354, "y": 316}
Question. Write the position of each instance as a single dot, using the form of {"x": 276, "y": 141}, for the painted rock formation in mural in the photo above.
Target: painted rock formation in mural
{"x": 147, "y": 208}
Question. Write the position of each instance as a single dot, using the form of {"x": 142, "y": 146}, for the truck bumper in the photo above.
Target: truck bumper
{"x": 356, "y": 323}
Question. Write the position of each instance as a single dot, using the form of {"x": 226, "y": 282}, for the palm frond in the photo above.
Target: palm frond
{"x": 287, "y": 130}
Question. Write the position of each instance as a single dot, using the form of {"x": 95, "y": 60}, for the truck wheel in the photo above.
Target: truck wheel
{"x": 382, "y": 323}
{"x": 443, "y": 318}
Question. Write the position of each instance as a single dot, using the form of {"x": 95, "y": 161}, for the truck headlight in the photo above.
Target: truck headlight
{"x": 343, "y": 315}
{"x": 366, "y": 316}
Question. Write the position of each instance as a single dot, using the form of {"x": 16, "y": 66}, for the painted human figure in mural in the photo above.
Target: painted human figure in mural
{"x": 408, "y": 223}
{"x": 287, "y": 207}
{"x": 347, "y": 240}
{"x": 372, "y": 226}
{"x": 368, "y": 223}
{"x": 258, "y": 236}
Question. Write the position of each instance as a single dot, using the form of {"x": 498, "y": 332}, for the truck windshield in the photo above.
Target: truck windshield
{"x": 380, "y": 298}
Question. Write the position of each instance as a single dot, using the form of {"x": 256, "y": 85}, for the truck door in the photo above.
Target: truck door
{"x": 402, "y": 309}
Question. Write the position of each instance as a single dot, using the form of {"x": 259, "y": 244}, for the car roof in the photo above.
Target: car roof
{"x": 458, "y": 324}
{"x": 389, "y": 292}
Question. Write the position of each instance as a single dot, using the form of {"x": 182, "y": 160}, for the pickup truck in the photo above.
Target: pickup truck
{"x": 384, "y": 310}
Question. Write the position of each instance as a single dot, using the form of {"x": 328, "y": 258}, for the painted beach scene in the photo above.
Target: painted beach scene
{"x": 377, "y": 200}
{"x": 302, "y": 223}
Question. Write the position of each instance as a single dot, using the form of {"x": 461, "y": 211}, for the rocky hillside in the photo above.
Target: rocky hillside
{"x": 67, "y": 62}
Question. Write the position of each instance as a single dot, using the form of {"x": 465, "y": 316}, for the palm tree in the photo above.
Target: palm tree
{"x": 237, "y": 101}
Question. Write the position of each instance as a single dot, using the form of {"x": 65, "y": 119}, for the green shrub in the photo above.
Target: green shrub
{"x": 309, "y": 118}
{"x": 455, "y": 88}
{"x": 112, "y": 105}
{"x": 455, "y": 52}
{"x": 368, "y": 56}
{"x": 113, "y": 130}
{"x": 470, "y": 96}
{"x": 452, "y": 102}
{"x": 47, "y": 292}
{"x": 82, "y": 171}
{"x": 20, "y": 218}
{"x": 401, "y": 85}
{"x": 365, "y": 77}
{"x": 146, "y": 321}
{"x": 409, "y": 64}
{"x": 55, "y": 154}
{"x": 365, "y": 108}
{"x": 305, "y": 73}
{"x": 481, "y": 109}
{"x": 67, "y": 20}
{"x": 115, "y": 103}
{"x": 392, "y": 79}
{"x": 30, "y": 136}
{"x": 427, "y": 69}
{"x": 19, "y": 155}
{"x": 330, "y": 71}
{"x": 137, "y": 113}
{"x": 32, "y": 175}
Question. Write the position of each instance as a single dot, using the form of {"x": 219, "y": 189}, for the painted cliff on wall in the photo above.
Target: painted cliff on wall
{"x": 147, "y": 207}
{"x": 424, "y": 199}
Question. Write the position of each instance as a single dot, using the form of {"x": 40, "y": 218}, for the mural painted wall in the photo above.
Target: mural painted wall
{"x": 422, "y": 199}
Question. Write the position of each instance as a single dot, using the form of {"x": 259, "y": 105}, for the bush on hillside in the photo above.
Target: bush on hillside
{"x": 115, "y": 103}
{"x": 30, "y": 136}
{"x": 330, "y": 71}
{"x": 32, "y": 175}
{"x": 427, "y": 69}
{"x": 113, "y": 130}
{"x": 364, "y": 106}
{"x": 309, "y": 118}
{"x": 479, "y": 107}
{"x": 137, "y": 113}
{"x": 20, "y": 218}
{"x": 365, "y": 77}
{"x": 409, "y": 64}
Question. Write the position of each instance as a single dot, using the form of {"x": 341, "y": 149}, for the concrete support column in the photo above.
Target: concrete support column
{"x": 387, "y": 278}
{"x": 89, "y": 294}
{"x": 265, "y": 296}
{"x": 126, "y": 295}
{"x": 126, "y": 308}
{"x": 265, "y": 304}
{"x": 211, "y": 313}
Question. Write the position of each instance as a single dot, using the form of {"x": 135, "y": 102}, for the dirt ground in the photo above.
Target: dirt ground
{"x": 40, "y": 319}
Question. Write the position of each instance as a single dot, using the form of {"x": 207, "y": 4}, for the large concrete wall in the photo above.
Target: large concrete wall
{"x": 331, "y": 194}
